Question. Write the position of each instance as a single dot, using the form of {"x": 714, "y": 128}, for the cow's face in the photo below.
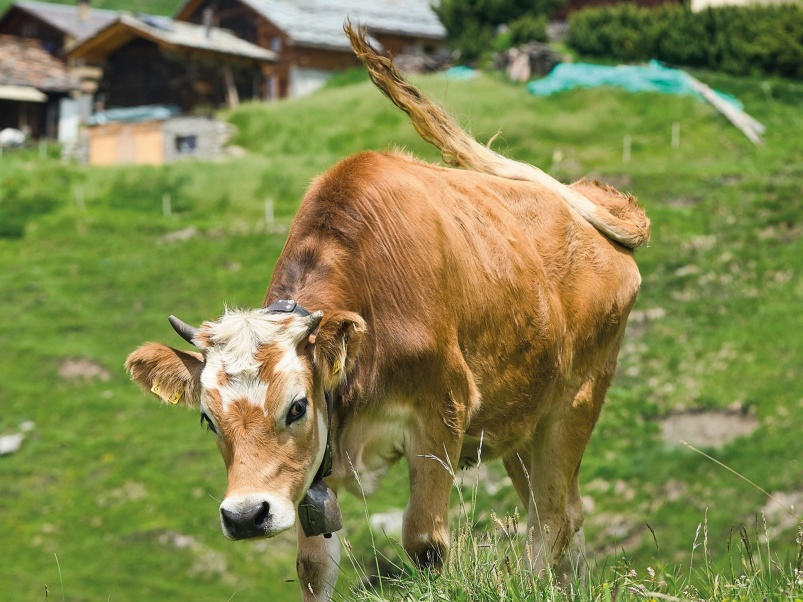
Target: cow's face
{"x": 259, "y": 383}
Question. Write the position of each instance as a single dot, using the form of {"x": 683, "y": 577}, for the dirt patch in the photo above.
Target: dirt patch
{"x": 784, "y": 509}
{"x": 73, "y": 368}
{"x": 182, "y": 235}
{"x": 708, "y": 428}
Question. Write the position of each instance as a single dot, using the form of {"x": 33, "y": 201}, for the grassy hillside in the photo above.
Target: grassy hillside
{"x": 151, "y": 7}
{"x": 120, "y": 490}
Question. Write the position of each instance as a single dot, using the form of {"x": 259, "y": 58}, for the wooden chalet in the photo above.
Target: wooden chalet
{"x": 56, "y": 25}
{"x": 307, "y": 35}
{"x": 33, "y": 83}
{"x": 149, "y": 60}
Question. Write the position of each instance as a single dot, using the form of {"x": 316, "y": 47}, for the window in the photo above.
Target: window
{"x": 186, "y": 145}
{"x": 276, "y": 44}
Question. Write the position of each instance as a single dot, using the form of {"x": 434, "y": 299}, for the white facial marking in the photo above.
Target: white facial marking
{"x": 237, "y": 338}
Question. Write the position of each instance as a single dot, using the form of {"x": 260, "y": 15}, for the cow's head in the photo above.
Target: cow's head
{"x": 259, "y": 381}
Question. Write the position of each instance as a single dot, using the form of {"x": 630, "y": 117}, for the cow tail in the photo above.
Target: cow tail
{"x": 459, "y": 149}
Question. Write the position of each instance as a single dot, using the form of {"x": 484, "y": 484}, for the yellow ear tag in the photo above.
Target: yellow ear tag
{"x": 172, "y": 400}
{"x": 338, "y": 366}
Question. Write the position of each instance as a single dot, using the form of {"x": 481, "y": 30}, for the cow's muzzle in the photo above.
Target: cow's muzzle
{"x": 244, "y": 523}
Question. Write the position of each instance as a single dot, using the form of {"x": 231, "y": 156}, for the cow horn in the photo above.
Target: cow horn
{"x": 313, "y": 320}
{"x": 184, "y": 330}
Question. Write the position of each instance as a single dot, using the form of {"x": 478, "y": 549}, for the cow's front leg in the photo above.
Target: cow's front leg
{"x": 432, "y": 457}
{"x": 317, "y": 566}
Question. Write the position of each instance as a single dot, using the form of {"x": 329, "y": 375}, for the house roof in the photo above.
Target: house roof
{"x": 25, "y": 62}
{"x": 65, "y": 17}
{"x": 167, "y": 32}
{"x": 319, "y": 23}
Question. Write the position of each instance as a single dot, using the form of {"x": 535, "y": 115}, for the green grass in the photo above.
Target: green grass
{"x": 113, "y": 484}
{"x": 151, "y": 7}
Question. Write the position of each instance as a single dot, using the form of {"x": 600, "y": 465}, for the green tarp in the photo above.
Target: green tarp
{"x": 652, "y": 77}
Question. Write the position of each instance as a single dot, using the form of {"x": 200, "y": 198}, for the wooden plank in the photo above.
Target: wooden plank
{"x": 749, "y": 126}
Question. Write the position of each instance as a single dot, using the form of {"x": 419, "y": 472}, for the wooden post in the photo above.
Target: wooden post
{"x": 232, "y": 98}
{"x": 269, "y": 219}
{"x": 557, "y": 158}
{"x": 676, "y": 135}
{"x": 749, "y": 126}
{"x": 166, "y": 208}
{"x": 626, "y": 149}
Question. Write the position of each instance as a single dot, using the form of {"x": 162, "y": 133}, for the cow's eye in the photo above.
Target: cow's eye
{"x": 297, "y": 410}
{"x": 205, "y": 421}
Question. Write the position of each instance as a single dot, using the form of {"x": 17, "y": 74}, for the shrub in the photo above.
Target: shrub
{"x": 472, "y": 24}
{"x": 528, "y": 28}
{"x": 735, "y": 39}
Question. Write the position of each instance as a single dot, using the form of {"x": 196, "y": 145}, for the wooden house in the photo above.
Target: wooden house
{"x": 307, "y": 35}
{"x": 33, "y": 83}
{"x": 56, "y": 25}
{"x": 146, "y": 60}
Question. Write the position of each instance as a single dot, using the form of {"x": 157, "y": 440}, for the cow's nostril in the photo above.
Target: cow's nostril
{"x": 262, "y": 515}
{"x": 228, "y": 519}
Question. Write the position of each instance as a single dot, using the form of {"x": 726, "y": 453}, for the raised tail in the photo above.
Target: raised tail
{"x": 630, "y": 227}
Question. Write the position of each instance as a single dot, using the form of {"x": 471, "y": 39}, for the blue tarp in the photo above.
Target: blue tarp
{"x": 134, "y": 114}
{"x": 653, "y": 77}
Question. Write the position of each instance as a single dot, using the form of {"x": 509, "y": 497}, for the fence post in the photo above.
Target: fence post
{"x": 269, "y": 219}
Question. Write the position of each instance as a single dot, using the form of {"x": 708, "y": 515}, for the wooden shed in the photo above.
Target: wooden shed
{"x": 307, "y": 35}
{"x": 148, "y": 60}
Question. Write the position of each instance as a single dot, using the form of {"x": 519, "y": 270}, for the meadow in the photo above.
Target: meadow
{"x": 112, "y": 496}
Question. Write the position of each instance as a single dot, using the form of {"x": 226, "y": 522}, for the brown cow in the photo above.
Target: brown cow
{"x": 451, "y": 306}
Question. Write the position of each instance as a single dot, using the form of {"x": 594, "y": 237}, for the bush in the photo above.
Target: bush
{"x": 528, "y": 28}
{"x": 740, "y": 40}
{"x": 472, "y": 24}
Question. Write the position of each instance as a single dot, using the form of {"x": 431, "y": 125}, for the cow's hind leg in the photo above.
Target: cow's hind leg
{"x": 317, "y": 566}
{"x": 555, "y": 513}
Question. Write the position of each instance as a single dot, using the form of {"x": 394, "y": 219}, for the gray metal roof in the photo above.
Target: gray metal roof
{"x": 181, "y": 33}
{"x": 190, "y": 35}
{"x": 320, "y": 22}
{"x": 64, "y": 17}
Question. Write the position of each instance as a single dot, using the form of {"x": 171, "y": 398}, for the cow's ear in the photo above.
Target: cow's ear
{"x": 172, "y": 375}
{"x": 337, "y": 346}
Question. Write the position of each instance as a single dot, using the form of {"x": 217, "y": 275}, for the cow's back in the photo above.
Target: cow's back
{"x": 457, "y": 266}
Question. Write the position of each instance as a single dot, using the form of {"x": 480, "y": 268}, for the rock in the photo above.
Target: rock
{"x": 389, "y": 522}
{"x": 533, "y": 59}
{"x": 10, "y": 443}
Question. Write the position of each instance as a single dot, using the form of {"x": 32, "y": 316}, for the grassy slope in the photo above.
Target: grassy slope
{"x": 151, "y": 7}
{"x": 107, "y": 480}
